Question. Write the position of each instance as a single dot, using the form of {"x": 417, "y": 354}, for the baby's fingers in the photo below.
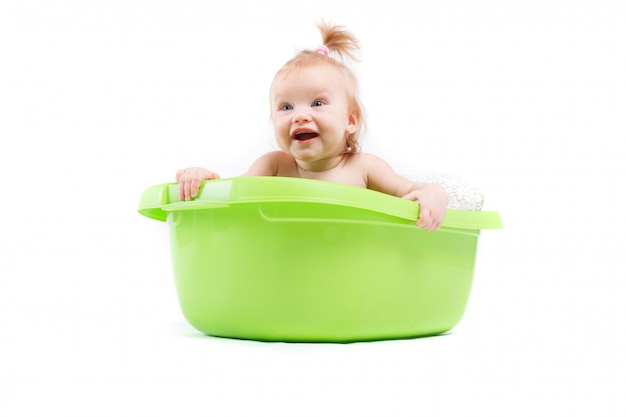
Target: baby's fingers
{"x": 189, "y": 187}
{"x": 183, "y": 188}
{"x": 427, "y": 221}
{"x": 190, "y": 179}
{"x": 194, "y": 187}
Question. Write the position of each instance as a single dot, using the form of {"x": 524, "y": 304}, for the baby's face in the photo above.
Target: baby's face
{"x": 311, "y": 116}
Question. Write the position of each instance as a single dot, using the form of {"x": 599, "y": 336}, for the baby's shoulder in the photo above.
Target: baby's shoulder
{"x": 277, "y": 158}
{"x": 365, "y": 156}
{"x": 367, "y": 160}
{"x": 274, "y": 155}
{"x": 283, "y": 165}
{"x": 275, "y": 163}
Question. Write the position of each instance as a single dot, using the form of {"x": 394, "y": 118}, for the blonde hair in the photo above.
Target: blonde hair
{"x": 345, "y": 45}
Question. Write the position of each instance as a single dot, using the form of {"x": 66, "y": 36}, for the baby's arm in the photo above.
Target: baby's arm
{"x": 432, "y": 198}
{"x": 189, "y": 180}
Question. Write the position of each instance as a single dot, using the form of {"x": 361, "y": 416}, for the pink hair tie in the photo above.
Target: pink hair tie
{"x": 322, "y": 49}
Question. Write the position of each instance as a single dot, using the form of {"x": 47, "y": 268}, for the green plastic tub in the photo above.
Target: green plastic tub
{"x": 288, "y": 259}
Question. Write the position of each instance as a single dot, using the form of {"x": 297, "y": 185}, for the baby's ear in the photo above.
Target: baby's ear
{"x": 353, "y": 122}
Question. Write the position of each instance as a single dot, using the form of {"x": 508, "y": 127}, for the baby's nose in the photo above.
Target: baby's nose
{"x": 301, "y": 116}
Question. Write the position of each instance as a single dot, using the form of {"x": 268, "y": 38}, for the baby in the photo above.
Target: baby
{"x": 317, "y": 118}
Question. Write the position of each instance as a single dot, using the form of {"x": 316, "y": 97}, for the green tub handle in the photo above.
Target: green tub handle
{"x": 158, "y": 201}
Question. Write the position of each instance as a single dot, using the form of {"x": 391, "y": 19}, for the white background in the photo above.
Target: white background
{"x": 100, "y": 100}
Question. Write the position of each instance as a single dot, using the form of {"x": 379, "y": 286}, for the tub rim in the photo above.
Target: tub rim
{"x": 158, "y": 201}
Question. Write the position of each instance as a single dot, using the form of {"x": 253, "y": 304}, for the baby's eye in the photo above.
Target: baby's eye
{"x": 286, "y": 107}
{"x": 317, "y": 103}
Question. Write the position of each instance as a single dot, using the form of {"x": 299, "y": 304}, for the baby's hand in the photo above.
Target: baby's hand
{"x": 189, "y": 180}
{"x": 433, "y": 201}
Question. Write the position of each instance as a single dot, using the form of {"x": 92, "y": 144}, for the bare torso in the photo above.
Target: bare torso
{"x": 357, "y": 169}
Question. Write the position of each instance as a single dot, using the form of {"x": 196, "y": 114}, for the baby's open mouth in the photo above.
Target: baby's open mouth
{"x": 304, "y": 136}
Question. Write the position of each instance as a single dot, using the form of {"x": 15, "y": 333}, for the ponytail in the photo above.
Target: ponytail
{"x": 337, "y": 39}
